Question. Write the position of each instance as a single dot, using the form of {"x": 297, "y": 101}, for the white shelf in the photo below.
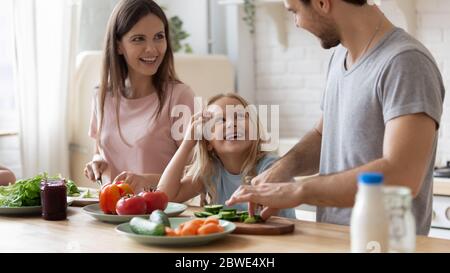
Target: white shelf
{"x": 408, "y": 8}
{"x": 240, "y": 2}
{"x": 276, "y": 11}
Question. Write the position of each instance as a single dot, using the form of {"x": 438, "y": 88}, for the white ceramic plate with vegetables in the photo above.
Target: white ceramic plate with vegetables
{"x": 86, "y": 196}
{"x": 193, "y": 240}
{"x": 172, "y": 209}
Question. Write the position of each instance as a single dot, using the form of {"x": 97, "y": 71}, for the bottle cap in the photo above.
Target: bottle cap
{"x": 370, "y": 178}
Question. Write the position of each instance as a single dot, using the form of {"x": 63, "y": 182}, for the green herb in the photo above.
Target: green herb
{"x": 72, "y": 189}
{"x": 27, "y": 192}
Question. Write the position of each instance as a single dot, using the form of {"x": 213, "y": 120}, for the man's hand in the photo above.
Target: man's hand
{"x": 272, "y": 175}
{"x": 270, "y": 195}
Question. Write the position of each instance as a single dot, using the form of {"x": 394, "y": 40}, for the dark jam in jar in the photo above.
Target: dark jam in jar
{"x": 54, "y": 199}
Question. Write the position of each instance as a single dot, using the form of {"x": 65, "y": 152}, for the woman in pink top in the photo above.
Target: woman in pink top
{"x": 131, "y": 117}
{"x": 6, "y": 176}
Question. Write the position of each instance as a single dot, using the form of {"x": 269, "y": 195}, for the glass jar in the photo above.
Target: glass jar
{"x": 402, "y": 227}
{"x": 54, "y": 199}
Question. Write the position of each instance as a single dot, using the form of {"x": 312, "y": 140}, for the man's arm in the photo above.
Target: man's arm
{"x": 302, "y": 159}
{"x": 407, "y": 149}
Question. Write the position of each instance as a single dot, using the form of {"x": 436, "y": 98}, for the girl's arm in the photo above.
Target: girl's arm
{"x": 177, "y": 188}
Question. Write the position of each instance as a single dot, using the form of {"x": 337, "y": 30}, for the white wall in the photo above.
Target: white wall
{"x": 295, "y": 77}
{"x": 194, "y": 17}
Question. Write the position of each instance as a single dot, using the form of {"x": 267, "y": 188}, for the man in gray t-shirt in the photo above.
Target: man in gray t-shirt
{"x": 381, "y": 111}
{"x": 397, "y": 77}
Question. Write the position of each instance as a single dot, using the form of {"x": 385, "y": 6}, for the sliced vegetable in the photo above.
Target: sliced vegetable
{"x": 214, "y": 209}
{"x": 229, "y": 214}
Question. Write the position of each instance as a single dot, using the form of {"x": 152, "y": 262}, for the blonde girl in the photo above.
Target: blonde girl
{"x": 223, "y": 160}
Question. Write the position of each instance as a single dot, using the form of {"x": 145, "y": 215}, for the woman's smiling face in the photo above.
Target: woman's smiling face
{"x": 144, "y": 46}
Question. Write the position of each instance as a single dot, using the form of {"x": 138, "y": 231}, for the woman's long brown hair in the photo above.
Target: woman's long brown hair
{"x": 114, "y": 67}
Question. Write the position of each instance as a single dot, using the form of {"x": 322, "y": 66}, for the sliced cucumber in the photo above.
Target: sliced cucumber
{"x": 214, "y": 209}
{"x": 202, "y": 214}
{"x": 229, "y": 210}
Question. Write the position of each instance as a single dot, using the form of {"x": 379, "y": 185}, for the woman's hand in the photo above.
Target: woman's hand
{"x": 137, "y": 182}
{"x": 95, "y": 168}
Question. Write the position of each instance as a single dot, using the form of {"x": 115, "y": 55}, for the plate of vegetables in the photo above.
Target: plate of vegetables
{"x": 159, "y": 229}
{"x": 24, "y": 196}
{"x": 94, "y": 210}
{"x": 119, "y": 204}
{"x": 86, "y": 196}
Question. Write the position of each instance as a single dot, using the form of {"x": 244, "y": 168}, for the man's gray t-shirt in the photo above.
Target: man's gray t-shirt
{"x": 397, "y": 77}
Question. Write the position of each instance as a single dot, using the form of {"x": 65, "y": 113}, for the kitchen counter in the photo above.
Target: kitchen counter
{"x": 82, "y": 233}
{"x": 441, "y": 186}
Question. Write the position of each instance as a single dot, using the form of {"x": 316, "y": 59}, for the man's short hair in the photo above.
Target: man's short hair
{"x": 354, "y": 2}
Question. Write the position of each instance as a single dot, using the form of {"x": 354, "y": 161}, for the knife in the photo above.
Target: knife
{"x": 98, "y": 176}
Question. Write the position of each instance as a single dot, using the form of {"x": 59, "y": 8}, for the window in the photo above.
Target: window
{"x": 8, "y": 110}
{"x": 9, "y": 122}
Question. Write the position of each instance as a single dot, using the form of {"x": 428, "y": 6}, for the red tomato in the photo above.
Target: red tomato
{"x": 155, "y": 200}
{"x": 110, "y": 195}
{"x": 131, "y": 205}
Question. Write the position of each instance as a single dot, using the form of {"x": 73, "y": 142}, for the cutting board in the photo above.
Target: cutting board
{"x": 273, "y": 226}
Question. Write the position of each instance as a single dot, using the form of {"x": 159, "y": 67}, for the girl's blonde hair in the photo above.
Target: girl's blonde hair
{"x": 204, "y": 161}
{"x": 114, "y": 67}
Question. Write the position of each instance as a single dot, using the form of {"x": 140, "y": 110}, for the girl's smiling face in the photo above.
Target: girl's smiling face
{"x": 144, "y": 46}
{"x": 230, "y": 133}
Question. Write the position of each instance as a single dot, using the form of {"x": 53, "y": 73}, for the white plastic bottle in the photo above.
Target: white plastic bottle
{"x": 369, "y": 227}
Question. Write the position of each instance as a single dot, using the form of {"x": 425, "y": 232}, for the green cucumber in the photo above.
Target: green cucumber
{"x": 202, "y": 214}
{"x": 253, "y": 220}
{"x": 229, "y": 210}
{"x": 214, "y": 209}
{"x": 145, "y": 227}
{"x": 159, "y": 217}
{"x": 243, "y": 212}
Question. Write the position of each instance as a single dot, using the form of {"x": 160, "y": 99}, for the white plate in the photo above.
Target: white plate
{"x": 125, "y": 229}
{"x": 81, "y": 200}
{"x": 20, "y": 210}
{"x": 28, "y": 210}
{"x": 173, "y": 209}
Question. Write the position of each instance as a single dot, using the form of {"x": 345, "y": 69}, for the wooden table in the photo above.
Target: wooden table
{"x": 82, "y": 233}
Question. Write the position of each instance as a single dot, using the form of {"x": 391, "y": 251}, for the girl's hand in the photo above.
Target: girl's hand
{"x": 95, "y": 168}
{"x": 137, "y": 182}
{"x": 194, "y": 131}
